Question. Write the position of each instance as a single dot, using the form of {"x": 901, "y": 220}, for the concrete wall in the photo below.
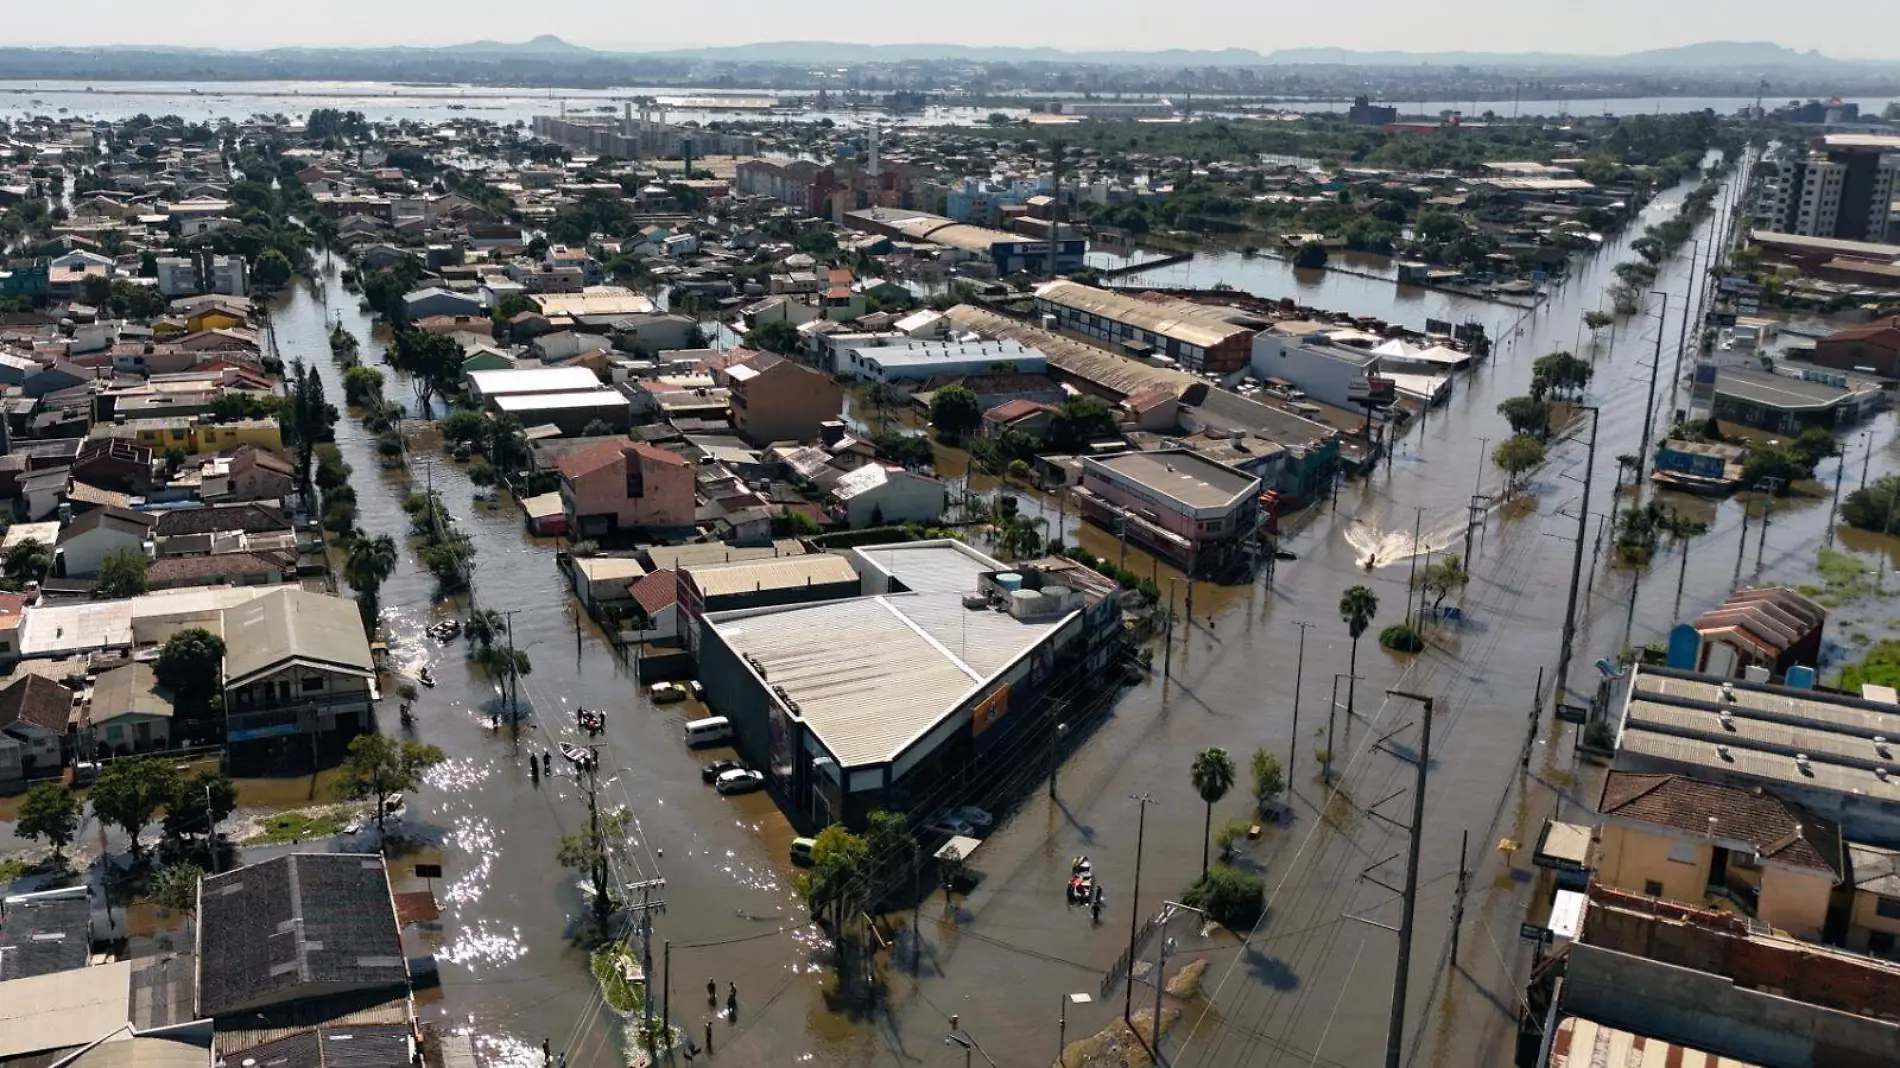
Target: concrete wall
{"x": 1710, "y": 1012}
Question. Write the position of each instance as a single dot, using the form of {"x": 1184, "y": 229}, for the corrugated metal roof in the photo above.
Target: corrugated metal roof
{"x": 533, "y": 380}
{"x": 940, "y": 566}
{"x": 1111, "y": 371}
{"x": 1581, "y": 1043}
{"x": 870, "y": 675}
{"x": 784, "y": 572}
{"x": 292, "y": 624}
{"x": 1190, "y": 323}
{"x": 64, "y": 1008}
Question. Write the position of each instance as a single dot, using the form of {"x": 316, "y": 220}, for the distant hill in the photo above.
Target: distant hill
{"x": 545, "y": 45}
{"x": 1713, "y": 55}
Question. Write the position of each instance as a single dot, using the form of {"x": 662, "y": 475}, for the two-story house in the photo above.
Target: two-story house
{"x": 774, "y": 399}
{"x": 296, "y": 664}
{"x": 621, "y": 485}
{"x": 98, "y": 533}
{"x": 35, "y": 716}
{"x": 247, "y": 474}
{"x": 1692, "y": 841}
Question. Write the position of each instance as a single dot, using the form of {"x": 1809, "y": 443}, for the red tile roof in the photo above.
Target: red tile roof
{"x": 655, "y": 591}
{"x": 1779, "y": 830}
{"x": 38, "y": 700}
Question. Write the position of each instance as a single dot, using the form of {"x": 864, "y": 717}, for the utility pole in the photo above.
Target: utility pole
{"x": 1299, "y": 674}
{"x": 514, "y": 682}
{"x": 1395, "y": 1032}
{"x": 1866, "y": 458}
{"x": 1477, "y": 493}
{"x": 666, "y": 976}
{"x": 1464, "y": 884}
{"x": 1682, "y": 340}
{"x": 1055, "y": 739}
{"x": 1741, "y": 550}
{"x": 1411, "y": 582}
{"x": 1134, "y": 906}
{"x": 1649, "y": 412}
{"x": 1167, "y": 656}
{"x": 1767, "y": 516}
{"x": 648, "y": 904}
{"x": 1834, "y": 509}
{"x": 1576, "y": 560}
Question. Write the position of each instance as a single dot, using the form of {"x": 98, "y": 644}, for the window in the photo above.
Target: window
{"x": 115, "y": 733}
{"x": 1652, "y": 888}
{"x": 1682, "y": 852}
{"x": 1887, "y": 908}
{"x": 312, "y": 683}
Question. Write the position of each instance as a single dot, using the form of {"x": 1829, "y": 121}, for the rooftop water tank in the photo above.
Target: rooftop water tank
{"x": 1010, "y": 581}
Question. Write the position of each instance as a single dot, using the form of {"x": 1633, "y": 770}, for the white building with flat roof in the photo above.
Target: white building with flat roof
{"x": 918, "y": 360}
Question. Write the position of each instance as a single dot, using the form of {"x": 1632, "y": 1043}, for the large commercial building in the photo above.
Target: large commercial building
{"x": 647, "y": 135}
{"x": 897, "y": 698}
{"x": 1194, "y": 337}
{"x": 1177, "y": 504}
{"x": 1844, "y": 187}
{"x": 1009, "y": 253}
{"x": 919, "y": 361}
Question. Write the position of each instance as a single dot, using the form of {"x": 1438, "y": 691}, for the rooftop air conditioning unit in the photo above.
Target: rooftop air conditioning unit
{"x": 1728, "y": 691}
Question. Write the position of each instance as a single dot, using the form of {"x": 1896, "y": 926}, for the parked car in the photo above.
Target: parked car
{"x": 710, "y": 772}
{"x": 697, "y": 691}
{"x": 948, "y": 827}
{"x": 666, "y": 693}
{"x": 972, "y": 815}
{"x": 801, "y": 851}
{"x": 740, "y": 781}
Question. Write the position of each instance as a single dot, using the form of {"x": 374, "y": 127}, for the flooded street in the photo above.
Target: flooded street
{"x": 1311, "y": 986}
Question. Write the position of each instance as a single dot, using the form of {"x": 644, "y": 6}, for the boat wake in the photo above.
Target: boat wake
{"x": 1378, "y": 547}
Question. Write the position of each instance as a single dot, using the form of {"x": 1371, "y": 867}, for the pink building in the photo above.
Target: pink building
{"x": 1176, "y": 504}
{"x": 622, "y": 484}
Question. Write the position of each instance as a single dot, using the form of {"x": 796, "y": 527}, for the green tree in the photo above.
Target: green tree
{"x": 1527, "y": 415}
{"x": 380, "y": 768}
{"x": 1079, "y": 420}
{"x": 1020, "y": 537}
{"x": 130, "y": 792}
{"x": 1595, "y": 321}
{"x": 1560, "y": 374}
{"x": 780, "y": 337}
{"x": 1357, "y": 607}
{"x": 369, "y": 561}
{"x": 464, "y": 427}
{"x": 955, "y": 411}
{"x": 362, "y": 386}
{"x": 1213, "y": 776}
{"x": 434, "y": 362}
{"x": 121, "y": 574}
{"x": 1516, "y": 455}
{"x": 176, "y": 887}
{"x": 202, "y": 802}
{"x": 1269, "y": 779}
{"x": 590, "y": 850}
{"x": 1876, "y": 508}
{"x": 27, "y": 562}
{"x": 191, "y": 665}
{"x": 839, "y": 862}
{"x": 1310, "y": 256}
{"x": 50, "y": 812}
{"x": 1231, "y": 897}
{"x": 272, "y": 269}
{"x": 1440, "y": 579}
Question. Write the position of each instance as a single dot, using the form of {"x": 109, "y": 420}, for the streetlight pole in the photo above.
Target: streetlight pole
{"x": 1682, "y": 342}
{"x": 1055, "y": 740}
{"x": 1395, "y": 1032}
{"x": 1576, "y": 561}
{"x": 1167, "y": 656}
{"x": 1134, "y": 906}
{"x": 1299, "y": 674}
{"x": 1649, "y": 412}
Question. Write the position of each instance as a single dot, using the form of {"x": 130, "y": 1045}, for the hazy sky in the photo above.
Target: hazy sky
{"x": 1846, "y": 28}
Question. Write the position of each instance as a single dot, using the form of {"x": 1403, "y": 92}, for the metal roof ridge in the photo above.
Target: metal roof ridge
{"x": 885, "y": 600}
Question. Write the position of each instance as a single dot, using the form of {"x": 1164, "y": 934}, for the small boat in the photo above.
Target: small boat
{"x": 408, "y": 716}
{"x": 578, "y": 755}
{"x": 1285, "y": 554}
{"x": 593, "y": 721}
{"x": 426, "y": 677}
{"x": 447, "y": 630}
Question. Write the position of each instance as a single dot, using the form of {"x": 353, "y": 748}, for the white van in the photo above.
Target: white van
{"x": 709, "y": 731}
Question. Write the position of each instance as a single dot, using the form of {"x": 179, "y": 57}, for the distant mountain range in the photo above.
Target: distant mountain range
{"x": 1711, "y": 55}
{"x": 1730, "y": 56}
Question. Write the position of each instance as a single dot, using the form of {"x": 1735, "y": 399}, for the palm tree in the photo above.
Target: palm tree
{"x": 1213, "y": 775}
{"x": 1357, "y": 606}
{"x": 484, "y": 627}
{"x": 1020, "y": 537}
{"x": 370, "y": 561}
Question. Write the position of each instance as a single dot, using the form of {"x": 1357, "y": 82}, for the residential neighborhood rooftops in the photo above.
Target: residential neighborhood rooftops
{"x": 290, "y": 624}
{"x": 45, "y": 932}
{"x": 501, "y": 383}
{"x": 62, "y": 1009}
{"x": 38, "y": 701}
{"x": 1768, "y": 827}
{"x": 785, "y": 572}
{"x": 293, "y": 927}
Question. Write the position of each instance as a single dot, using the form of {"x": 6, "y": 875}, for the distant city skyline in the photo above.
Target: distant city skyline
{"x": 1852, "y": 29}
